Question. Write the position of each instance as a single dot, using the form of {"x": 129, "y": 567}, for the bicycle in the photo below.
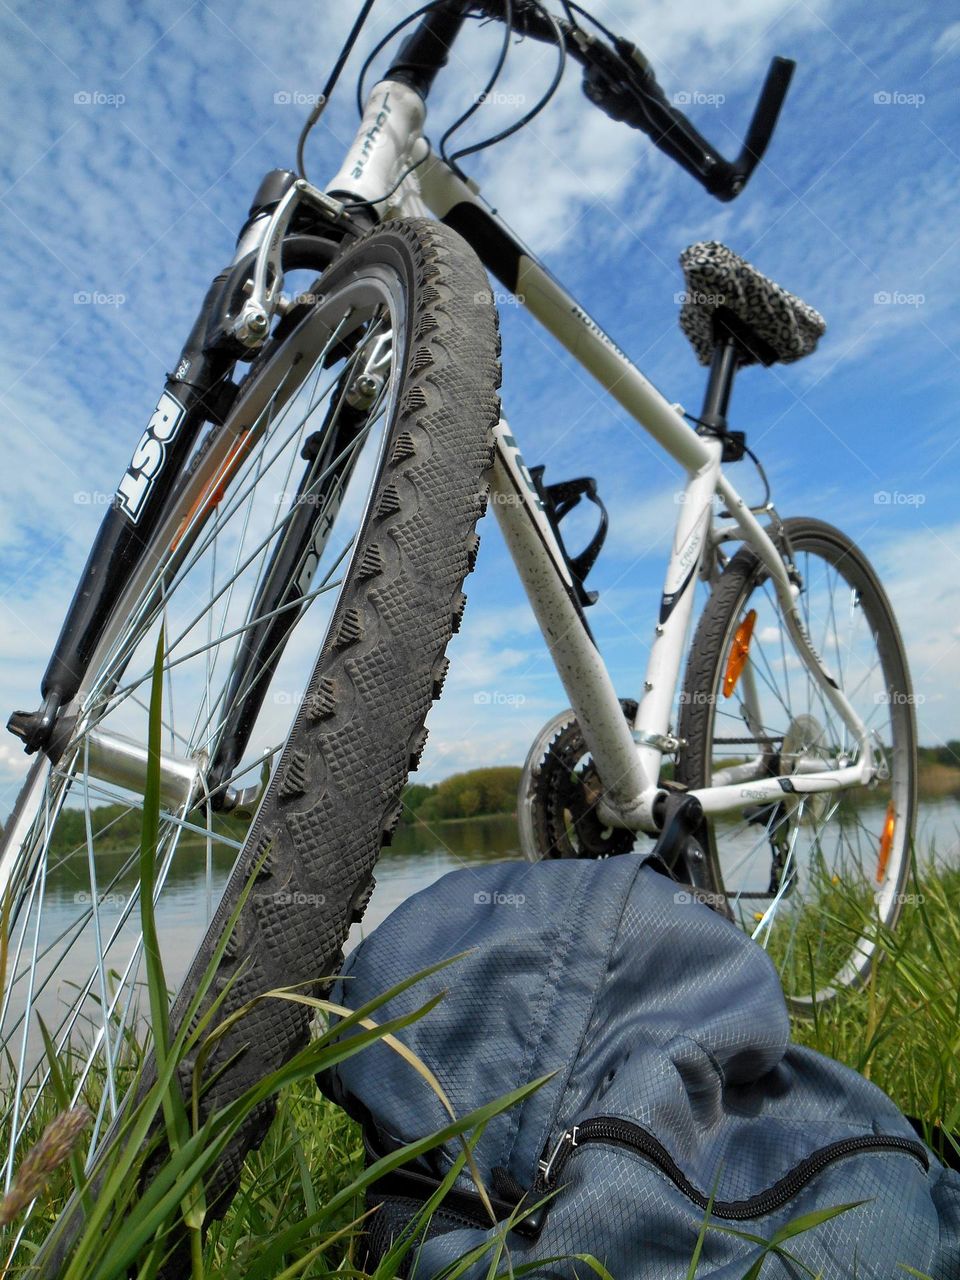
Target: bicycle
{"x": 340, "y": 479}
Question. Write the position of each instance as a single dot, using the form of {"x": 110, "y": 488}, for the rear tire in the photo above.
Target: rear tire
{"x": 841, "y": 877}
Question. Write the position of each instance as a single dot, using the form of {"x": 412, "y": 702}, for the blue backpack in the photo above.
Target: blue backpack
{"x": 676, "y": 1090}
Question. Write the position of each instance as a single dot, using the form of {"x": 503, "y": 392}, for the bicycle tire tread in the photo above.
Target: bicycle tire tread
{"x": 335, "y": 797}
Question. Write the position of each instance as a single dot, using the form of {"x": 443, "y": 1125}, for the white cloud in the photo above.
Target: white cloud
{"x": 948, "y": 42}
{"x": 921, "y": 573}
{"x": 144, "y": 200}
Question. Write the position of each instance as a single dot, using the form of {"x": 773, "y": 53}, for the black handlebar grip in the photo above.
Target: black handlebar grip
{"x": 729, "y": 178}
{"x": 764, "y": 120}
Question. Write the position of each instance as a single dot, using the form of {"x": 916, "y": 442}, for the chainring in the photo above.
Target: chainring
{"x": 562, "y": 800}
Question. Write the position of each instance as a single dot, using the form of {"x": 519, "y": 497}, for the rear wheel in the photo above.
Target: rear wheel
{"x": 402, "y": 324}
{"x": 812, "y": 876}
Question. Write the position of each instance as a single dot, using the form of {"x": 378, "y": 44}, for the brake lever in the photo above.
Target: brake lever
{"x": 622, "y": 83}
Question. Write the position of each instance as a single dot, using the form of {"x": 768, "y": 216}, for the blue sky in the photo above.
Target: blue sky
{"x": 135, "y": 135}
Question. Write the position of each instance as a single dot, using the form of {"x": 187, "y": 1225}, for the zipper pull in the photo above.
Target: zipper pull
{"x": 546, "y": 1166}
{"x": 532, "y": 1225}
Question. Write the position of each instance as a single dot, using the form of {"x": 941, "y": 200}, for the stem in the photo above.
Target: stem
{"x": 196, "y": 1253}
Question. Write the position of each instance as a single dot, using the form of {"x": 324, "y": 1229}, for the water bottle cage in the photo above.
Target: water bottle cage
{"x": 558, "y": 501}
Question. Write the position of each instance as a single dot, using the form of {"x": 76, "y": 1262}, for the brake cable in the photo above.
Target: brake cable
{"x": 378, "y": 48}
{"x": 538, "y": 107}
{"x": 329, "y": 87}
{"x": 481, "y": 98}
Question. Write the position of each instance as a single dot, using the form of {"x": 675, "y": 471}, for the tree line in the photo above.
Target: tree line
{"x": 463, "y": 795}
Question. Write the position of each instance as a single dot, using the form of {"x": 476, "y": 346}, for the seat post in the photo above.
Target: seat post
{"x": 723, "y": 366}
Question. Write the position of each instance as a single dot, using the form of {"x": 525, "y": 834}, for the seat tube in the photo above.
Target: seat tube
{"x": 690, "y": 544}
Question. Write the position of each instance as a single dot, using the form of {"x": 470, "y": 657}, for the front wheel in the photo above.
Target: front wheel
{"x": 403, "y": 323}
{"x": 812, "y": 876}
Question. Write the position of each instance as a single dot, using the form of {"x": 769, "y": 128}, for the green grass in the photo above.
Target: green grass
{"x": 901, "y": 1032}
{"x": 300, "y": 1202}
{"x": 144, "y": 1195}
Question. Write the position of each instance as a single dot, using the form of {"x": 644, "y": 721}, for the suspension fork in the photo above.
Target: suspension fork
{"x": 193, "y": 395}
{"x": 199, "y": 391}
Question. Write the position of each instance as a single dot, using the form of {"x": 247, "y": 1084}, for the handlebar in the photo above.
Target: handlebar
{"x": 617, "y": 78}
{"x": 621, "y": 82}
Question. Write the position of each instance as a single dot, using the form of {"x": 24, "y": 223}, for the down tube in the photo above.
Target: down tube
{"x": 546, "y": 579}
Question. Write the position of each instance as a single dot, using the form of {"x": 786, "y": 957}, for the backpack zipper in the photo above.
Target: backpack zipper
{"x": 624, "y": 1133}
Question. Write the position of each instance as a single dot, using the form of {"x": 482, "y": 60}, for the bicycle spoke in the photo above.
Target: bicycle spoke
{"x": 804, "y": 863}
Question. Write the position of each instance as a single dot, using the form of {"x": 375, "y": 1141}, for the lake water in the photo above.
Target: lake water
{"x": 419, "y": 856}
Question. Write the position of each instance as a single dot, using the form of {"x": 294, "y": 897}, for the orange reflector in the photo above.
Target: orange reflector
{"x": 738, "y": 653}
{"x": 886, "y": 840}
{"x": 213, "y": 494}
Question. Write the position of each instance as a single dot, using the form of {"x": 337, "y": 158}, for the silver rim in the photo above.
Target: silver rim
{"x": 813, "y": 877}
{"x": 70, "y": 858}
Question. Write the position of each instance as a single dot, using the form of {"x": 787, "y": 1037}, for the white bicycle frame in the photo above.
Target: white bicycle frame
{"x": 390, "y": 154}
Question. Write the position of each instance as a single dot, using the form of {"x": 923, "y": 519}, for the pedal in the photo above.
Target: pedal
{"x": 677, "y": 845}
